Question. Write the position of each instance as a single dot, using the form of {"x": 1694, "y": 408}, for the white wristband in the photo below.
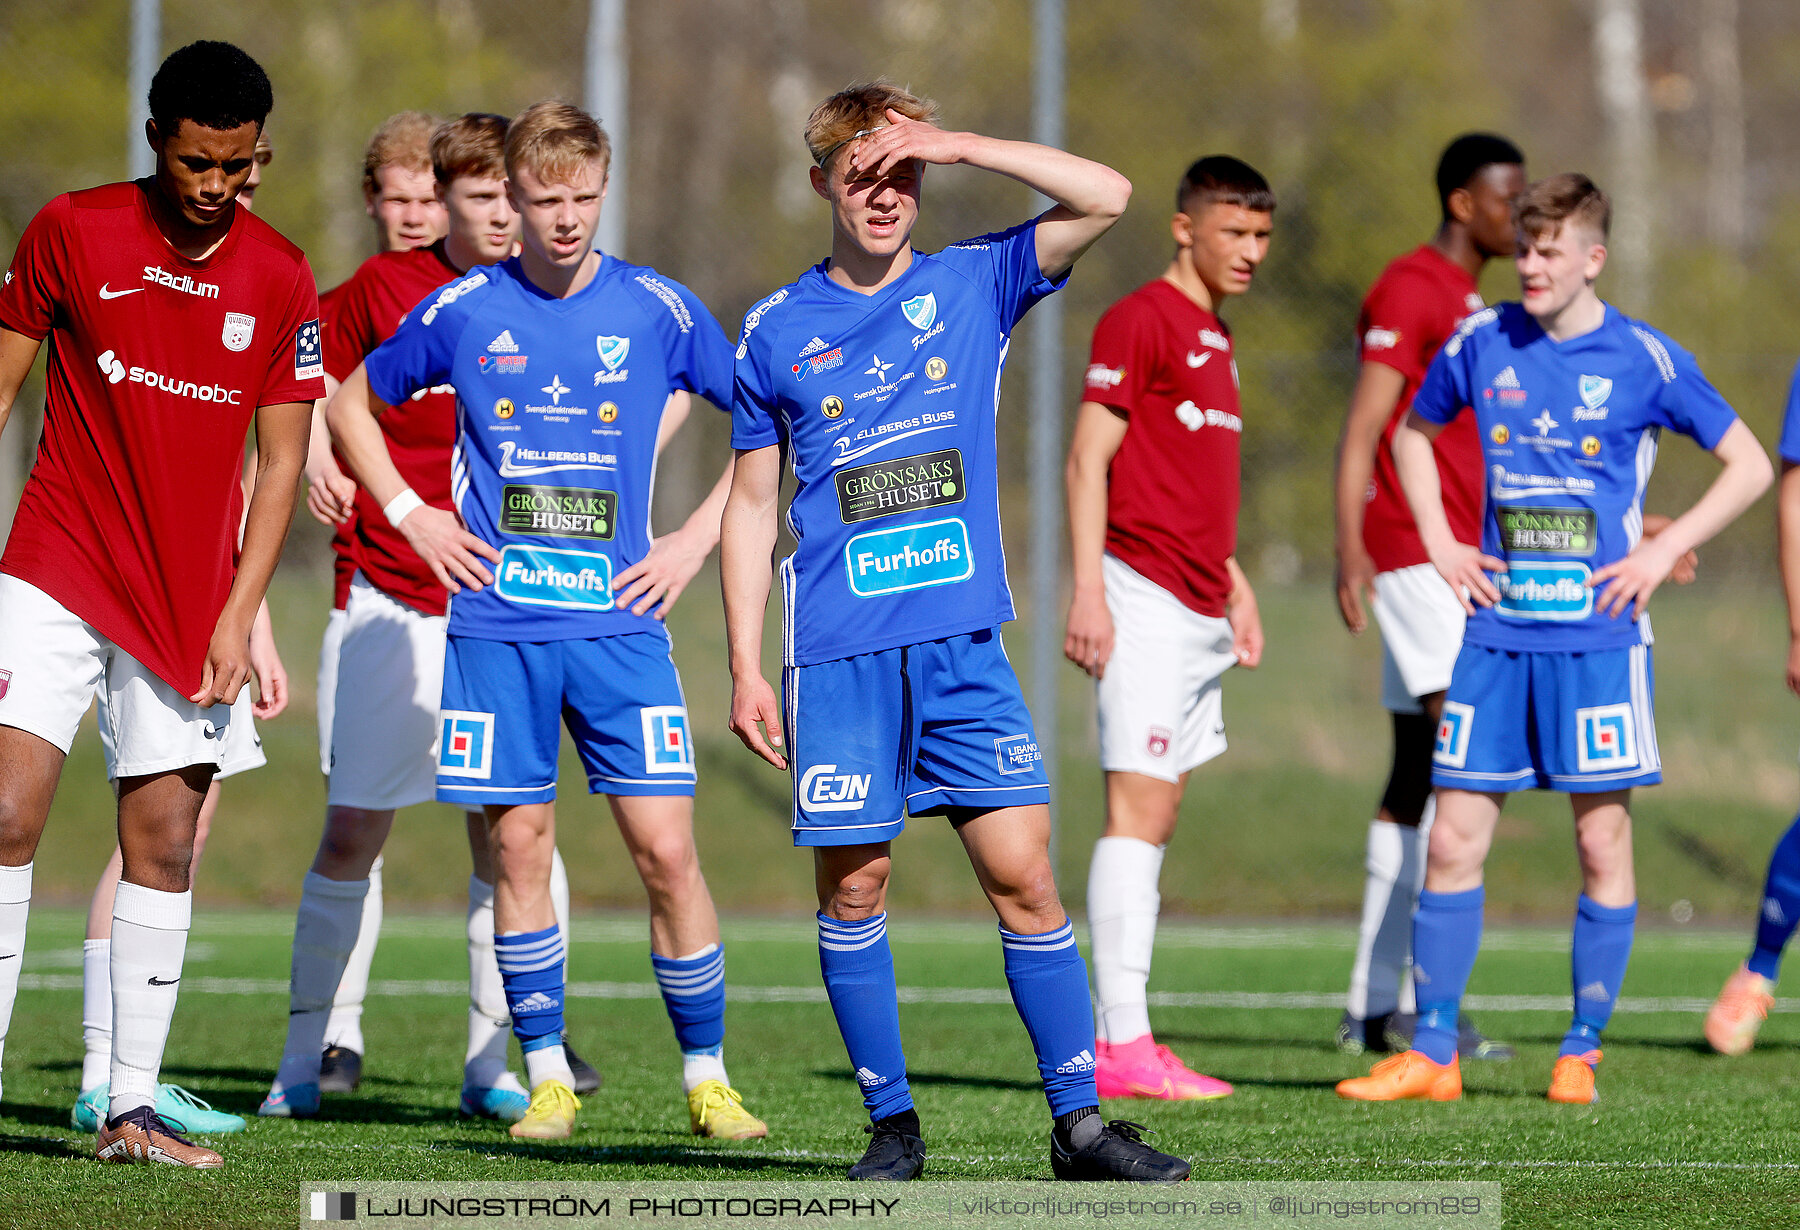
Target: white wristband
{"x": 395, "y": 510}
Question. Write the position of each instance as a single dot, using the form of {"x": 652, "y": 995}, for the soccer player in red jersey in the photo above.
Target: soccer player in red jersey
{"x": 384, "y": 754}
{"x": 1161, "y": 609}
{"x": 1414, "y": 306}
{"x": 175, "y": 318}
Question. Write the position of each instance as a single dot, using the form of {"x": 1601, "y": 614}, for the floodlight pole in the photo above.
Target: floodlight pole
{"x": 1046, "y": 420}
{"x": 146, "y": 36}
{"x": 604, "y": 92}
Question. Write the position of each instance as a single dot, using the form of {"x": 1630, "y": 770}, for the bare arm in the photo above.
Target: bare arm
{"x": 330, "y": 494}
{"x": 1089, "y": 196}
{"x": 1747, "y": 474}
{"x": 1245, "y": 618}
{"x": 1099, "y": 431}
{"x": 17, "y": 354}
{"x": 675, "y": 413}
{"x": 1461, "y": 564}
{"x": 746, "y": 548}
{"x": 453, "y": 554}
{"x": 1787, "y": 548}
{"x": 1378, "y": 390}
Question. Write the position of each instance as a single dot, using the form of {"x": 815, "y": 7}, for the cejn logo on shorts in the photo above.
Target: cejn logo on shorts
{"x": 572, "y": 580}
{"x": 909, "y": 557}
{"x": 466, "y": 744}
{"x": 823, "y": 788}
{"x": 1556, "y": 592}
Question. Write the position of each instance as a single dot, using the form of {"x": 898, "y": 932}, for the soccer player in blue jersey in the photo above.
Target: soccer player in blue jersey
{"x": 563, "y": 360}
{"x": 1744, "y": 1002}
{"x": 877, "y": 375}
{"x": 1553, "y": 687}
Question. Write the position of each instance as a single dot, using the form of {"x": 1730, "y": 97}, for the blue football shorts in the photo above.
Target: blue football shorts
{"x": 505, "y": 704}
{"x": 1581, "y": 723}
{"x": 916, "y": 730}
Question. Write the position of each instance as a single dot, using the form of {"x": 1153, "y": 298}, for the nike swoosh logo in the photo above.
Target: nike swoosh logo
{"x": 117, "y": 294}
{"x": 158, "y": 982}
{"x": 1198, "y": 360}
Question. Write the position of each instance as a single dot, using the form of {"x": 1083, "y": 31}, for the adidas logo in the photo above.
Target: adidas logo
{"x": 813, "y": 347}
{"x": 1773, "y": 912}
{"x": 1507, "y": 379}
{"x": 866, "y": 1078}
{"x": 1596, "y": 991}
{"x": 1083, "y": 1062}
{"x": 537, "y": 1001}
{"x": 504, "y": 344}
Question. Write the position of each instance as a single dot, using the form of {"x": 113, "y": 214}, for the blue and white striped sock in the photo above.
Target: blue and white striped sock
{"x": 531, "y": 970}
{"x": 693, "y": 990}
{"x": 1049, "y": 985}
{"x": 858, "y": 969}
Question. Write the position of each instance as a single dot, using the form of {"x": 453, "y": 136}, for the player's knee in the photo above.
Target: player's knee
{"x": 855, "y": 898}
{"x": 1603, "y": 849}
{"x": 164, "y": 868}
{"x": 1031, "y": 890}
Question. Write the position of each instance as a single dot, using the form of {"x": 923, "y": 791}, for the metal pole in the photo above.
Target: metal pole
{"x": 146, "y": 37}
{"x": 605, "y": 94}
{"x": 1046, "y": 422}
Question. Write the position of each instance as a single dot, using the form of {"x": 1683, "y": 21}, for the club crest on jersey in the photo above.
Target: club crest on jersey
{"x": 1594, "y": 391}
{"x": 237, "y": 331}
{"x": 921, "y": 311}
{"x": 612, "y": 350}
{"x": 1605, "y": 738}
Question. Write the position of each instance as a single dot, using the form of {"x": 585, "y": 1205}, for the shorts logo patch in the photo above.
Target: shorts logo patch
{"x": 1452, "y": 749}
{"x": 465, "y": 744}
{"x": 573, "y": 580}
{"x": 1158, "y": 742}
{"x": 909, "y": 557}
{"x": 5, "y": 683}
{"x": 882, "y": 488}
{"x": 666, "y": 746}
{"x": 1017, "y": 754}
{"x": 823, "y": 788}
{"x": 1556, "y": 592}
{"x": 1605, "y": 738}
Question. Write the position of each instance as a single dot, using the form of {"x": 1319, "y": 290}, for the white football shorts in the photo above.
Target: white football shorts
{"x": 384, "y": 732}
{"x": 1421, "y": 626}
{"x": 240, "y": 748}
{"x": 1161, "y": 706}
{"x": 325, "y": 694}
{"x": 52, "y": 665}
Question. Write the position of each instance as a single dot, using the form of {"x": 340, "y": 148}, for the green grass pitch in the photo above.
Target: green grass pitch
{"x": 1681, "y": 1137}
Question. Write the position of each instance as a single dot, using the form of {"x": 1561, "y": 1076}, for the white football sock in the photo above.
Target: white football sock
{"x": 490, "y": 1020}
{"x": 698, "y": 1066}
{"x": 1385, "y": 936}
{"x": 1122, "y": 906}
{"x": 96, "y": 1013}
{"x": 1427, "y": 814}
{"x": 548, "y": 1063}
{"x": 344, "y": 1027}
{"x": 15, "y": 905}
{"x": 149, "y": 941}
{"x": 325, "y": 931}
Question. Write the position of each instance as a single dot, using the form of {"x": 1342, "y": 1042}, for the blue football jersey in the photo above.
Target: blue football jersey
{"x": 1790, "y": 423}
{"x": 886, "y": 405}
{"x": 558, "y": 402}
{"x": 1569, "y": 433}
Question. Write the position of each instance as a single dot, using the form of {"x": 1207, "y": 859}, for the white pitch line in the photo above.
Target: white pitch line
{"x": 999, "y": 996}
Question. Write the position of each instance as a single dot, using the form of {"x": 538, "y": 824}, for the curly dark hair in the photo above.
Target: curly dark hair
{"x": 216, "y": 85}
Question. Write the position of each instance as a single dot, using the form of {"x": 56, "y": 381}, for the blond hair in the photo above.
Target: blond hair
{"x": 1571, "y": 196}
{"x": 859, "y": 109}
{"x": 472, "y": 145}
{"x": 554, "y": 140}
{"x": 402, "y": 140}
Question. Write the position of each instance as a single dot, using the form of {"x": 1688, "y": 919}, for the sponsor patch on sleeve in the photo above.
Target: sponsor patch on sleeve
{"x": 309, "y": 356}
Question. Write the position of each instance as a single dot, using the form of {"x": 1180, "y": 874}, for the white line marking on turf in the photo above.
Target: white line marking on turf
{"x": 1512, "y": 1164}
{"x": 999, "y": 996}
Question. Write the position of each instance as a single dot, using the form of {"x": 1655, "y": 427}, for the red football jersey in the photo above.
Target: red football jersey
{"x": 157, "y": 363}
{"x": 343, "y": 560}
{"x": 1172, "y": 491}
{"x": 419, "y": 434}
{"x": 1413, "y": 308}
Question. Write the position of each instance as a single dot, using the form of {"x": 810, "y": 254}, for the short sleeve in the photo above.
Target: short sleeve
{"x": 698, "y": 353}
{"x": 753, "y": 420}
{"x": 1120, "y": 360}
{"x": 1401, "y": 326}
{"x": 296, "y": 368}
{"x": 1445, "y": 390}
{"x": 33, "y": 284}
{"x": 1006, "y": 264}
{"x": 1790, "y": 422}
{"x": 349, "y": 327}
{"x": 1688, "y": 402}
{"x": 418, "y": 355}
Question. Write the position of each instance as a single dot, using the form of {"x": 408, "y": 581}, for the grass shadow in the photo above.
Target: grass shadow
{"x": 688, "y": 1157}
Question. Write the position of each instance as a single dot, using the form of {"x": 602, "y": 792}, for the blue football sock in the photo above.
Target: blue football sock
{"x": 693, "y": 990}
{"x": 1780, "y": 905}
{"x": 1598, "y": 955}
{"x": 1446, "y": 937}
{"x": 1049, "y": 985}
{"x": 531, "y": 972}
{"x": 858, "y": 969}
